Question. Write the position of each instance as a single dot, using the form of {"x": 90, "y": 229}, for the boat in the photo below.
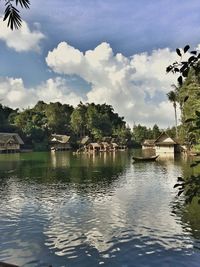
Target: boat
{"x": 152, "y": 158}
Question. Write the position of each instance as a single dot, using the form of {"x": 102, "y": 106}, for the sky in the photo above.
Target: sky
{"x": 102, "y": 51}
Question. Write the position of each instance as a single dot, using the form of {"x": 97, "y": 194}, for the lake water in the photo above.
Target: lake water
{"x": 62, "y": 209}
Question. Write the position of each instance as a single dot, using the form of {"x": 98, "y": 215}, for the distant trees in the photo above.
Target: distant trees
{"x": 38, "y": 123}
{"x": 94, "y": 120}
{"x": 12, "y": 14}
{"x": 6, "y": 115}
{"x": 140, "y": 133}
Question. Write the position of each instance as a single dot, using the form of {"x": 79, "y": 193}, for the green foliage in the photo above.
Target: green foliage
{"x": 188, "y": 96}
{"x": 123, "y": 135}
{"x": 38, "y": 123}
{"x": 6, "y": 115}
{"x": 156, "y": 131}
{"x": 58, "y": 117}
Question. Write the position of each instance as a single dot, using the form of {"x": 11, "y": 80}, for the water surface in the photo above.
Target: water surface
{"x": 79, "y": 210}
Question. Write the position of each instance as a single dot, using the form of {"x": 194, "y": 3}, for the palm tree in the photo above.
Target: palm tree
{"x": 12, "y": 14}
{"x": 173, "y": 98}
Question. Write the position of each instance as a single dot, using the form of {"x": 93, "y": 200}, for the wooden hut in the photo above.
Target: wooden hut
{"x": 60, "y": 142}
{"x": 10, "y": 142}
{"x": 148, "y": 144}
{"x": 165, "y": 144}
{"x": 85, "y": 141}
{"x": 104, "y": 146}
{"x": 114, "y": 146}
{"x": 93, "y": 147}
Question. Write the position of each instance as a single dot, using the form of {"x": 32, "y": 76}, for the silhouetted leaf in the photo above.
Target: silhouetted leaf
{"x": 185, "y": 72}
{"x": 191, "y": 59}
{"x": 193, "y": 52}
{"x": 189, "y": 120}
{"x": 177, "y": 185}
{"x": 169, "y": 68}
{"x": 180, "y": 80}
{"x": 185, "y": 99}
{"x": 178, "y": 52}
{"x": 14, "y": 20}
{"x": 197, "y": 113}
{"x": 186, "y": 48}
{"x": 193, "y": 165}
{"x": 185, "y": 65}
{"x": 23, "y": 3}
{"x": 180, "y": 179}
{"x": 180, "y": 192}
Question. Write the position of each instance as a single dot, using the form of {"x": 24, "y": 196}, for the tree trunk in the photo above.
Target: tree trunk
{"x": 176, "y": 122}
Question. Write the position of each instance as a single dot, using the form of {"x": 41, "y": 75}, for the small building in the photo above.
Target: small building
{"x": 104, "y": 146}
{"x": 10, "y": 142}
{"x": 148, "y": 144}
{"x": 165, "y": 144}
{"x": 93, "y": 147}
{"x": 114, "y": 146}
{"x": 60, "y": 142}
{"x": 85, "y": 141}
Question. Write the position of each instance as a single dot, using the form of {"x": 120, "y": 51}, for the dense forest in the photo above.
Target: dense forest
{"x": 35, "y": 125}
{"x": 187, "y": 96}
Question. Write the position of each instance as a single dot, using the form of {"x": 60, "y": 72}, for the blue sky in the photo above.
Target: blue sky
{"x": 128, "y": 27}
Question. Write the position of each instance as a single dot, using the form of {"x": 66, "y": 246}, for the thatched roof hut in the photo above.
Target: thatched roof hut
{"x": 60, "y": 142}
{"x": 10, "y": 142}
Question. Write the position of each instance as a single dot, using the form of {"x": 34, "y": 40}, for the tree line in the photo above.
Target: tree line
{"x": 36, "y": 124}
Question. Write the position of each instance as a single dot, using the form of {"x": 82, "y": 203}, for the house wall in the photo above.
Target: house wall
{"x": 8, "y": 147}
{"x": 164, "y": 149}
{"x": 60, "y": 146}
{"x": 148, "y": 147}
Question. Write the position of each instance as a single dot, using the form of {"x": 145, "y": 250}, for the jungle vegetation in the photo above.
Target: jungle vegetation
{"x": 187, "y": 94}
{"x": 35, "y": 125}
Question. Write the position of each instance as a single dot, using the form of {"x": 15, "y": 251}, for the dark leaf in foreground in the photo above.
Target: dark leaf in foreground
{"x": 180, "y": 80}
{"x": 178, "y": 52}
{"x": 180, "y": 192}
{"x": 23, "y": 3}
{"x": 186, "y": 48}
{"x": 189, "y": 120}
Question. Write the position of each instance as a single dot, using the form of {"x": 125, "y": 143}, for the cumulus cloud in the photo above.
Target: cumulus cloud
{"x": 14, "y": 94}
{"x": 136, "y": 86}
{"x": 22, "y": 40}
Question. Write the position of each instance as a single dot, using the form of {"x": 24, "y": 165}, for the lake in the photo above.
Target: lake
{"x": 68, "y": 210}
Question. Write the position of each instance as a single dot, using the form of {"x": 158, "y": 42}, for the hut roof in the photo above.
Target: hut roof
{"x": 94, "y": 145}
{"x": 165, "y": 139}
{"x": 114, "y": 144}
{"x": 60, "y": 138}
{"x": 148, "y": 142}
{"x": 104, "y": 143}
{"x": 13, "y": 137}
{"x": 84, "y": 140}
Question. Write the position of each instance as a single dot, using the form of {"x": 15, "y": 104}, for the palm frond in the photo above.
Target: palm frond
{"x": 14, "y": 19}
{"x": 23, "y": 3}
{"x": 12, "y": 14}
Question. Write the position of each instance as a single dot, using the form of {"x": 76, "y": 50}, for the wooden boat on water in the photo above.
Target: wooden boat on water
{"x": 152, "y": 158}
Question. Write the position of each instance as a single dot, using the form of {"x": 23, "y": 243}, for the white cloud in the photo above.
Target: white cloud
{"x": 133, "y": 85}
{"x": 21, "y": 40}
{"x": 14, "y": 94}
